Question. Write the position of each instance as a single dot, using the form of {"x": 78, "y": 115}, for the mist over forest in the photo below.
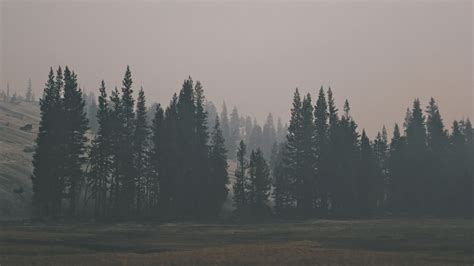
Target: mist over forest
{"x": 236, "y": 133}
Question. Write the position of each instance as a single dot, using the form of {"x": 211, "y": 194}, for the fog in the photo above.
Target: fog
{"x": 253, "y": 55}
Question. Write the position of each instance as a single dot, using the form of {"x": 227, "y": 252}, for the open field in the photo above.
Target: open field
{"x": 372, "y": 242}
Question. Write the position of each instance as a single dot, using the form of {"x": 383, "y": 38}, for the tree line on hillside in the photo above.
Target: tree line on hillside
{"x": 171, "y": 162}
{"x": 15, "y": 98}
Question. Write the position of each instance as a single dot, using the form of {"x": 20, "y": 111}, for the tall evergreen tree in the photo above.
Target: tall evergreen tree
{"x": 381, "y": 155}
{"x": 348, "y": 154}
{"x": 224, "y": 124}
{"x": 366, "y": 182}
{"x": 218, "y": 167}
{"x": 259, "y": 186}
{"x": 75, "y": 127}
{"x": 416, "y": 165}
{"x": 29, "y": 92}
{"x": 240, "y": 185}
{"x": 92, "y": 113}
{"x": 156, "y": 161}
{"x": 47, "y": 187}
{"x": 268, "y": 136}
{"x": 437, "y": 149}
{"x": 140, "y": 150}
{"x": 234, "y": 132}
{"x": 100, "y": 157}
{"x": 321, "y": 115}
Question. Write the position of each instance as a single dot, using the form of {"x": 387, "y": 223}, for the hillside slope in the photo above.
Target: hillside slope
{"x": 15, "y": 158}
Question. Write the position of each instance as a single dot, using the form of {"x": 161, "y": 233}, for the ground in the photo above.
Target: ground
{"x": 313, "y": 242}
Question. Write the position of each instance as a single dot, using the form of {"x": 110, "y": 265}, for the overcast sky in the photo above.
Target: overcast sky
{"x": 253, "y": 55}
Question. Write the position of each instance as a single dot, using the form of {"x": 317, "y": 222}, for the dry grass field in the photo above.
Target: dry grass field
{"x": 314, "y": 242}
{"x": 15, "y": 158}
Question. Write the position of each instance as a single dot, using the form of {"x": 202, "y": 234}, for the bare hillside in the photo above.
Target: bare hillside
{"x": 16, "y": 149}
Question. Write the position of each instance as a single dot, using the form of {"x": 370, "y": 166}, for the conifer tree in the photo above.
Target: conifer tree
{"x": 268, "y": 136}
{"x": 256, "y": 137}
{"x": 234, "y": 132}
{"x": 156, "y": 161}
{"x": 29, "y": 92}
{"x": 321, "y": 115}
{"x": 218, "y": 167}
{"x": 348, "y": 154}
{"x": 92, "y": 113}
{"x": 47, "y": 187}
{"x": 259, "y": 186}
{"x": 100, "y": 158}
{"x": 240, "y": 185}
{"x": 381, "y": 153}
{"x": 128, "y": 193}
{"x": 116, "y": 136}
{"x": 140, "y": 150}
{"x": 225, "y": 126}
{"x": 437, "y": 149}
{"x": 306, "y": 178}
{"x": 201, "y": 160}
{"x": 248, "y": 129}
{"x": 416, "y": 197}
{"x": 397, "y": 178}
{"x": 75, "y": 126}
{"x": 211, "y": 113}
{"x": 366, "y": 182}
{"x": 282, "y": 181}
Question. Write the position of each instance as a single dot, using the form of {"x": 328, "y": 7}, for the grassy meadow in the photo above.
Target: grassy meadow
{"x": 312, "y": 242}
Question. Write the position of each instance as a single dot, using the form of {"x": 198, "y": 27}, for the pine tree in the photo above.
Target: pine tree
{"x": 116, "y": 138}
{"x": 188, "y": 198}
{"x": 293, "y": 144}
{"x": 29, "y": 92}
{"x": 140, "y": 150}
{"x": 211, "y": 111}
{"x": 280, "y": 131}
{"x": 381, "y": 153}
{"x": 366, "y": 182}
{"x": 259, "y": 186}
{"x": 225, "y": 126}
{"x": 415, "y": 131}
{"x": 127, "y": 114}
{"x": 268, "y": 136}
{"x": 321, "y": 116}
{"x": 306, "y": 182}
{"x": 282, "y": 181}
{"x": 396, "y": 172}
{"x": 92, "y": 113}
{"x": 201, "y": 160}
{"x": 169, "y": 161}
{"x": 100, "y": 157}
{"x": 437, "y": 149}
{"x": 348, "y": 154}
{"x": 218, "y": 167}
{"x": 248, "y": 129}
{"x": 234, "y": 132}
{"x": 256, "y": 137}
{"x": 47, "y": 189}
{"x": 75, "y": 127}
{"x": 334, "y": 143}
{"x": 156, "y": 161}
{"x": 240, "y": 185}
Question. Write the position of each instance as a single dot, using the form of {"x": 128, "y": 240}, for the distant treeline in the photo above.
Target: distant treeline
{"x": 171, "y": 163}
{"x": 7, "y": 96}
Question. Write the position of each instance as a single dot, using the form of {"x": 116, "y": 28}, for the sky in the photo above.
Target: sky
{"x": 379, "y": 55}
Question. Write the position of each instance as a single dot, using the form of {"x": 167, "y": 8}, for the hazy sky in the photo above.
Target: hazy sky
{"x": 253, "y": 55}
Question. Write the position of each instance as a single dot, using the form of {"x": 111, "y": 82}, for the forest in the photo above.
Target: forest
{"x": 171, "y": 163}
